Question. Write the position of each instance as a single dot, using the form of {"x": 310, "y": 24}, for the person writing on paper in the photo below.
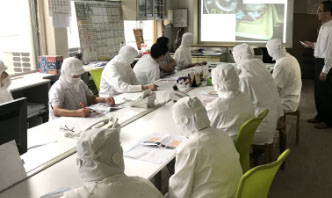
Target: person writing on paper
{"x": 182, "y": 55}
{"x": 233, "y": 107}
{"x": 69, "y": 95}
{"x": 207, "y": 164}
{"x": 286, "y": 74}
{"x": 101, "y": 168}
{"x": 5, "y": 81}
{"x": 147, "y": 68}
{"x": 323, "y": 63}
{"x": 256, "y": 81}
{"x": 167, "y": 66}
{"x": 118, "y": 76}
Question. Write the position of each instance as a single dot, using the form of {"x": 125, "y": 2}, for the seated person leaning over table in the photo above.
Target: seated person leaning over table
{"x": 118, "y": 76}
{"x": 69, "y": 95}
{"x": 101, "y": 168}
{"x": 167, "y": 66}
{"x": 233, "y": 107}
{"x": 147, "y": 68}
{"x": 286, "y": 74}
{"x": 182, "y": 55}
{"x": 207, "y": 164}
{"x": 5, "y": 94}
{"x": 256, "y": 81}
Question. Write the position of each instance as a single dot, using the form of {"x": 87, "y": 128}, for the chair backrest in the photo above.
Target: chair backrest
{"x": 244, "y": 138}
{"x": 96, "y": 76}
{"x": 257, "y": 181}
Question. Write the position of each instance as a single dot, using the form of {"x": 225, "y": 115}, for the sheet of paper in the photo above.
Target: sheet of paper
{"x": 11, "y": 166}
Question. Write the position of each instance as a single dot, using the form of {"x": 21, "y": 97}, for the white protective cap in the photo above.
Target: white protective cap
{"x": 187, "y": 39}
{"x": 190, "y": 115}
{"x": 127, "y": 55}
{"x": 3, "y": 67}
{"x": 275, "y": 48}
{"x": 100, "y": 154}
{"x": 225, "y": 80}
{"x": 71, "y": 67}
{"x": 242, "y": 53}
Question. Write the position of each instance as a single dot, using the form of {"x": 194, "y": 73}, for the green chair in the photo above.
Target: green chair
{"x": 256, "y": 182}
{"x": 96, "y": 76}
{"x": 244, "y": 138}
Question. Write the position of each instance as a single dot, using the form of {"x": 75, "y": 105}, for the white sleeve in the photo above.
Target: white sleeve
{"x": 56, "y": 96}
{"x": 181, "y": 183}
{"x": 280, "y": 76}
{"x": 153, "y": 74}
{"x": 180, "y": 59}
{"x": 328, "y": 55}
{"x": 114, "y": 79}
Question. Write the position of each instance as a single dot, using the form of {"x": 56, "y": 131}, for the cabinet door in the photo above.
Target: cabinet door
{"x": 149, "y": 8}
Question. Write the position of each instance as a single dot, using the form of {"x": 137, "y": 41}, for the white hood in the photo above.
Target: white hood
{"x": 100, "y": 154}
{"x": 225, "y": 80}
{"x": 190, "y": 115}
{"x": 275, "y": 48}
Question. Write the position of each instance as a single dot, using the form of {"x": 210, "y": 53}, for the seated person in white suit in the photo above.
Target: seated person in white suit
{"x": 286, "y": 74}
{"x": 101, "y": 168}
{"x": 167, "y": 66}
{"x": 233, "y": 107}
{"x": 256, "y": 81}
{"x": 182, "y": 55}
{"x": 147, "y": 68}
{"x": 69, "y": 95}
{"x": 118, "y": 76}
{"x": 207, "y": 164}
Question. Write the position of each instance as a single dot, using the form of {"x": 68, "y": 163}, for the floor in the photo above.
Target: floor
{"x": 308, "y": 171}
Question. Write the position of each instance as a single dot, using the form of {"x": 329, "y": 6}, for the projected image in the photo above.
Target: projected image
{"x": 253, "y": 20}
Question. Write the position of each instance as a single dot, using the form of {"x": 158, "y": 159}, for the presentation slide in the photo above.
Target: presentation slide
{"x": 243, "y": 20}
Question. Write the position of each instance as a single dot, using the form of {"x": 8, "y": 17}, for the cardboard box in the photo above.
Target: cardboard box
{"x": 50, "y": 64}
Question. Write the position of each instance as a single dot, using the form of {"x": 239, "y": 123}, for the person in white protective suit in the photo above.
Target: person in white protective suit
{"x": 101, "y": 168}
{"x": 182, "y": 55}
{"x": 286, "y": 74}
{"x": 207, "y": 164}
{"x": 118, "y": 76}
{"x": 256, "y": 80}
{"x": 233, "y": 107}
{"x": 5, "y": 81}
{"x": 69, "y": 95}
{"x": 147, "y": 68}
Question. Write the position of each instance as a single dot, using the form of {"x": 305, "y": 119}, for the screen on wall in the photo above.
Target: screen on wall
{"x": 252, "y": 21}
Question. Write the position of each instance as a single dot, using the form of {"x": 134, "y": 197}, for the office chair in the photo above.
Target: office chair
{"x": 244, "y": 138}
{"x": 257, "y": 181}
{"x": 96, "y": 76}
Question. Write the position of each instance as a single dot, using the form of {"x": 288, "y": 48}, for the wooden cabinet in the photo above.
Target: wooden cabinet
{"x": 144, "y": 9}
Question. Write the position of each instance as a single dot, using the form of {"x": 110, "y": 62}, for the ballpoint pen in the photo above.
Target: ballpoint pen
{"x": 82, "y": 105}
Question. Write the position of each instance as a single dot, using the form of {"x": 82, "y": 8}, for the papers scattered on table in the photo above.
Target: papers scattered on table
{"x": 157, "y": 148}
{"x": 209, "y": 93}
{"x": 100, "y": 109}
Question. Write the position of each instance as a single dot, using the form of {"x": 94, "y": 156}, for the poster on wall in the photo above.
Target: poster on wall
{"x": 101, "y": 29}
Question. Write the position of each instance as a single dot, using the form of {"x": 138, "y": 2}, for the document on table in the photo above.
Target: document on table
{"x": 100, "y": 109}
{"x": 156, "y": 148}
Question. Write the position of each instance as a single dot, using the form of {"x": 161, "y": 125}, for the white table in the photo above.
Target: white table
{"x": 138, "y": 124}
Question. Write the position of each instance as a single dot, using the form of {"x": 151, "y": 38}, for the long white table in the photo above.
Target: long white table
{"x": 138, "y": 124}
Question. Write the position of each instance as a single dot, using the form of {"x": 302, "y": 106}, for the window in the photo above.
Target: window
{"x": 72, "y": 32}
{"x": 16, "y": 39}
{"x": 146, "y": 26}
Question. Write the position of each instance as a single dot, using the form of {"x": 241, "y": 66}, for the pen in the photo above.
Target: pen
{"x": 82, "y": 105}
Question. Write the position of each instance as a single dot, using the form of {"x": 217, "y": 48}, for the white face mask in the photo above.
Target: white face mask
{"x": 5, "y": 83}
{"x": 76, "y": 83}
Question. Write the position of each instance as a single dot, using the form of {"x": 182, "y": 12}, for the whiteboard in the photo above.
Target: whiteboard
{"x": 101, "y": 29}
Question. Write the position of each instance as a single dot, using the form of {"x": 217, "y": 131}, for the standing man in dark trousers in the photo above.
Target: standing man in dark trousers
{"x": 323, "y": 77}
